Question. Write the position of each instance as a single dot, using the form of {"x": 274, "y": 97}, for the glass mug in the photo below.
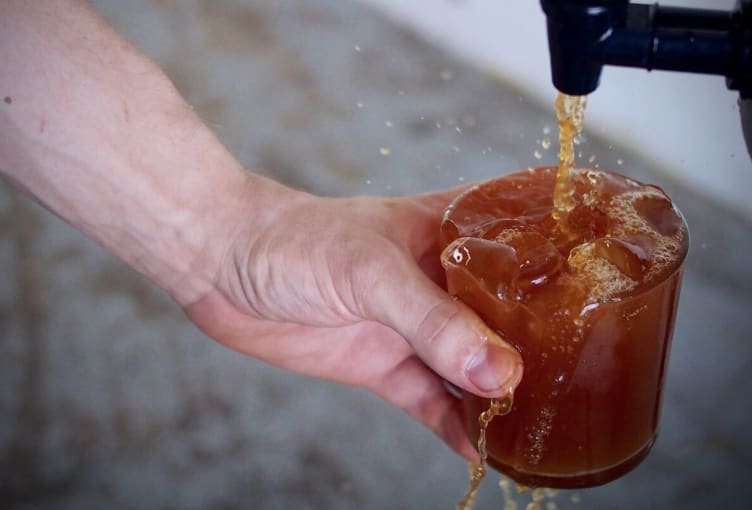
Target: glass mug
{"x": 590, "y": 306}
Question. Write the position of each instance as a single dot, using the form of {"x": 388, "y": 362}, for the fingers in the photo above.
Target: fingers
{"x": 414, "y": 388}
{"x": 439, "y": 200}
{"x": 444, "y": 333}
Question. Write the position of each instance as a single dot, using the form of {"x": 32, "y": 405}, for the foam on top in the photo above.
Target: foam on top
{"x": 663, "y": 236}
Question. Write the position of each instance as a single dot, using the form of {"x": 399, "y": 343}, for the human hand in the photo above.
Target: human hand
{"x": 350, "y": 290}
{"x": 344, "y": 289}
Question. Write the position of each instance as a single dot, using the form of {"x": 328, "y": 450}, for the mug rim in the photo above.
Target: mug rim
{"x": 668, "y": 273}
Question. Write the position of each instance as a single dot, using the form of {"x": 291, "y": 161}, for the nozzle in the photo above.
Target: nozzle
{"x": 575, "y": 29}
{"x": 585, "y": 35}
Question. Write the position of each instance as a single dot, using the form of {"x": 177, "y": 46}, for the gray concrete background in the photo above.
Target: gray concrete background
{"x": 110, "y": 399}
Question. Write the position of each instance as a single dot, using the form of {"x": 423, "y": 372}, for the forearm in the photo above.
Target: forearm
{"x": 98, "y": 134}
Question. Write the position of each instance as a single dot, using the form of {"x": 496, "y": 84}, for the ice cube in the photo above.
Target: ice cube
{"x": 631, "y": 259}
{"x": 491, "y": 264}
{"x": 588, "y": 221}
{"x": 492, "y": 230}
{"x": 608, "y": 266}
{"x": 538, "y": 258}
{"x": 659, "y": 213}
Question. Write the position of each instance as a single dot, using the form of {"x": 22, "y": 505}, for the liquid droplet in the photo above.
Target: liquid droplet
{"x": 546, "y": 143}
{"x": 446, "y": 74}
{"x": 537, "y": 154}
{"x": 385, "y": 151}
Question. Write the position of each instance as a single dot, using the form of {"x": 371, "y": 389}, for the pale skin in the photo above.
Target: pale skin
{"x": 346, "y": 289}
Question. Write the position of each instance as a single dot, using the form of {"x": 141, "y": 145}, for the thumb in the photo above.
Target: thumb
{"x": 447, "y": 335}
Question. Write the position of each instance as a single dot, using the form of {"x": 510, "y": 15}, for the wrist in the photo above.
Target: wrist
{"x": 224, "y": 230}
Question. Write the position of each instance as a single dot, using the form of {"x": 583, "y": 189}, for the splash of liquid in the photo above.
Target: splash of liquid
{"x": 497, "y": 407}
{"x": 570, "y": 112}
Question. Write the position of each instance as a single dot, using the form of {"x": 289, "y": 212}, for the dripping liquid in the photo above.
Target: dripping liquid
{"x": 498, "y": 407}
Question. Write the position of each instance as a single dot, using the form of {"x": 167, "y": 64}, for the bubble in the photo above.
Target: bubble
{"x": 546, "y": 143}
{"x": 619, "y": 161}
{"x": 594, "y": 178}
{"x": 356, "y": 48}
{"x": 385, "y": 151}
{"x": 546, "y": 130}
{"x": 359, "y": 104}
{"x": 536, "y": 437}
{"x": 388, "y": 123}
{"x": 600, "y": 276}
{"x": 537, "y": 154}
{"x": 446, "y": 74}
{"x": 591, "y": 159}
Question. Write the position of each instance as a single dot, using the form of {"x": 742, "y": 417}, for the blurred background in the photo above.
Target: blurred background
{"x": 109, "y": 398}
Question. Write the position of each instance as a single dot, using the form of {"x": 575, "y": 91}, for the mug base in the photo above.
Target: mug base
{"x": 574, "y": 481}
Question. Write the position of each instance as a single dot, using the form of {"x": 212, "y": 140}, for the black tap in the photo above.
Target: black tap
{"x": 585, "y": 35}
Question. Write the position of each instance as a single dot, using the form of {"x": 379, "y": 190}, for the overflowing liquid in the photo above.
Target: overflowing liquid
{"x": 579, "y": 270}
{"x": 497, "y": 407}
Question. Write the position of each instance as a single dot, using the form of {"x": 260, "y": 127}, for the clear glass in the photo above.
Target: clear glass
{"x": 587, "y": 410}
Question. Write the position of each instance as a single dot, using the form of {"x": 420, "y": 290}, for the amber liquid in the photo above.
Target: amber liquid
{"x": 580, "y": 270}
{"x": 496, "y": 407}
